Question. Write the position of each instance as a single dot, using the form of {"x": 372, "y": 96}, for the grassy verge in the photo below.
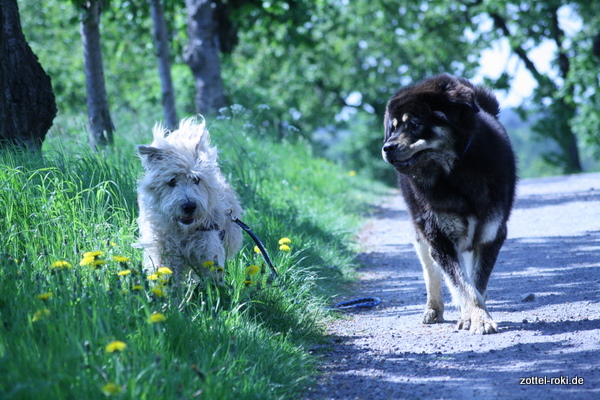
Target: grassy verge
{"x": 78, "y": 318}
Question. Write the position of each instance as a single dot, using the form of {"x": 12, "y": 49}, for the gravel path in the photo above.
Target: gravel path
{"x": 544, "y": 293}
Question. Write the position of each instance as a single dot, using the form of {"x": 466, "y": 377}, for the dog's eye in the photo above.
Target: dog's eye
{"x": 412, "y": 125}
{"x": 172, "y": 182}
{"x": 196, "y": 180}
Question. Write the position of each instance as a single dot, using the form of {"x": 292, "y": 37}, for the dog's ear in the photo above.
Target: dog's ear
{"x": 200, "y": 146}
{"x": 203, "y": 149}
{"x": 459, "y": 93}
{"x": 149, "y": 155}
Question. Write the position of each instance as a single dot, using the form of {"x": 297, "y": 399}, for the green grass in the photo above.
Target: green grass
{"x": 239, "y": 341}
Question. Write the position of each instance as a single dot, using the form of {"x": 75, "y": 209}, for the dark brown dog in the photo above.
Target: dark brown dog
{"x": 457, "y": 173}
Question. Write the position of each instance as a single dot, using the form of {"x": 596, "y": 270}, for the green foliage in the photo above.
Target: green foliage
{"x": 342, "y": 47}
{"x": 304, "y": 59}
{"x": 583, "y": 80}
{"x": 130, "y": 67}
{"x": 529, "y": 152}
{"x": 247, "y": 339}
{"x": 334, "y": 49}
{"x": 564, "y": 104}
{"x": 359, "y": 147}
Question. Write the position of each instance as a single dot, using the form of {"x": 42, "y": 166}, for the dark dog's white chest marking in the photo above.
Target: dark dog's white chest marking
{"x": 468, "y": 232}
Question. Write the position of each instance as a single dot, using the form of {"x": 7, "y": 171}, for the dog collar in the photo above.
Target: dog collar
{"x": 212, "y": 227}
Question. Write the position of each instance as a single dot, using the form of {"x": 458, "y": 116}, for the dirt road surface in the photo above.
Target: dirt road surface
{"x": 544, "y": 294}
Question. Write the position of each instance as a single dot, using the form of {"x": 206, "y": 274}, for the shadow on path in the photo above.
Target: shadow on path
{"x": 386, "y": 353}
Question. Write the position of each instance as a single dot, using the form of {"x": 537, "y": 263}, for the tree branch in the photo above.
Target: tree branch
{"x": 500, "y": 23}
{"x": 558, "y": 35}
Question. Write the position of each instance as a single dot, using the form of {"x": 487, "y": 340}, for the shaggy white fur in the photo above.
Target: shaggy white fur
{"x": 184, "y": 200}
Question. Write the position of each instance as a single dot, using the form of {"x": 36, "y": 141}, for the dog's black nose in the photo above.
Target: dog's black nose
{"x": 387, "y": 147}
{"x": 189, "y": 207}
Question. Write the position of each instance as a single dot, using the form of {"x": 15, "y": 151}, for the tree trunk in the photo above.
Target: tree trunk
{"x": 567, "y": 139}
{"x": 27, "y": 105}
{"x": 161, "y": 41}
{"x": 101, "y": 126}
{"x": 202, "y": 55}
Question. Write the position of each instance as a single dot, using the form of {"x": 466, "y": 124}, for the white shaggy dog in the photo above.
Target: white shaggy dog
{"x": 184, "y": 202}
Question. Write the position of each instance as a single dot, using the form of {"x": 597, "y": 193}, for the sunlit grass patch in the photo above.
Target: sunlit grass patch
{"x": 80, "y": 319}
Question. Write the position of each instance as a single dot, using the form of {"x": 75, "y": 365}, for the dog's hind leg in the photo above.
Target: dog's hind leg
{"x": 434, "y": 309}
{"x": 487, "y": 254}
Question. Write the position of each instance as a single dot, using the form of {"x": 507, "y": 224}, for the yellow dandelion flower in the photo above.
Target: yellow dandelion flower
{"x": 164, "y": 271}
{"x": 159, "y": 291}
{"x": 156, "y": 318}
{"x": 96, "y": 264}
{"x": 40, "y": 314}
{"x": 45, "y": 296}
{"x": 285, "y": 240}
{"x": 86, "y": 261}
{"x": 252, "y": 270}
{"x": 152, "y": 277}
{"x": 208, "y": 264}
{"x": 124, "y": 272}
{"x": 111, "y": 389}
{"x": 61, "y": 265}
{"x": 115, "y": 346}
{"x": 93, "y": 254}
{"x": 113, "y": 244}
{"x": 284, "y": 247}
{"x": 220, "y": 269}
{"x": 352, "y": 173}
{"x": 121, "y": 259}
{"x": 256, "y": 249}
{"x": 137, "y": 287}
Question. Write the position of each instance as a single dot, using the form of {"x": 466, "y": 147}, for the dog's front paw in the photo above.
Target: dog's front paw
{"x": 433, "y": 316}
{"x": 483, "y": 327}
{"x": 479, "y": 322}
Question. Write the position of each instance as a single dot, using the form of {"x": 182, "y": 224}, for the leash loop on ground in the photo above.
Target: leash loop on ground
{"x": 363, "y": 302}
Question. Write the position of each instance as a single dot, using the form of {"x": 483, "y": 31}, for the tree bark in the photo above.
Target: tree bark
{"x": 101, "y": 126}
{"x": 161, "y": 41}
{"x": 27, "y": 104}
{"x": 202, "y": 55}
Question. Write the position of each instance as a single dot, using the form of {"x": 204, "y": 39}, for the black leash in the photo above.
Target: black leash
{"x": 259, "y": 244}
{"x": 364, "y": 302}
